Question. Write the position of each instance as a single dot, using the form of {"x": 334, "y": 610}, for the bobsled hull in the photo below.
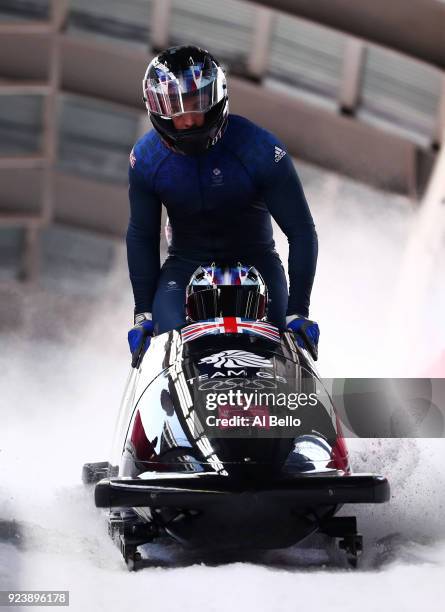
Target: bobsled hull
{"x": 176, "y": 473}
{"x": 177, "y": 415}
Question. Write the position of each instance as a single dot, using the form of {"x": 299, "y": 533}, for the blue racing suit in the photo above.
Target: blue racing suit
{"x": 219, "y": 206}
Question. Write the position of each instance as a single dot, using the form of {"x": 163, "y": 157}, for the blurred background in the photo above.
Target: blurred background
{"x": 355, "y": 90}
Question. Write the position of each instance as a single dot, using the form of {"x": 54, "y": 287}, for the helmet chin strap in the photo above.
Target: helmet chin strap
{"x": 193, "y": 146}
{"x": 187, "y": 142}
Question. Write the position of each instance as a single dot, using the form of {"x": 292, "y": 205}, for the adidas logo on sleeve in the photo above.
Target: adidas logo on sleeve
{"x": 279, "y": 154}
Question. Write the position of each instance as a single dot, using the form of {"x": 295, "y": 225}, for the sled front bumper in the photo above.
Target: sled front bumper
{"x": 200, "y": 491}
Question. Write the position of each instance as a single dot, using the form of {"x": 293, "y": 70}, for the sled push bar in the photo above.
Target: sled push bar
{"x": 198, "y": 492}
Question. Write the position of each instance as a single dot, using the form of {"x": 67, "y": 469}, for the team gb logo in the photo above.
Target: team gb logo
{"x": 236, "y": 359}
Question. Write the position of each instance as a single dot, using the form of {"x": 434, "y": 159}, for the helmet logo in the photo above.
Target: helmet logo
{"x": 132, "y": 158}
{"x": 236, "y": 359}
{"x": 218, "y": 136}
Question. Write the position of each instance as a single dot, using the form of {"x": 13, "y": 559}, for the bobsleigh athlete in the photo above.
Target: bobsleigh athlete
{"x": 221, "y": 178}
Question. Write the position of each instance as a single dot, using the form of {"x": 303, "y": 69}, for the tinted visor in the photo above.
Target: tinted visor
{"x": 194, "y": 90}
{"x": 226, "y": 301}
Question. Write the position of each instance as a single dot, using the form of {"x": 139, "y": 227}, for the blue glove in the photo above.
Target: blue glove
{"x": 139, "y": 337}
{"x": 307, "y": 333}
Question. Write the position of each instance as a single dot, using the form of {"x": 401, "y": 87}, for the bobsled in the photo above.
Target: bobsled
{"x": 227, "y": 439}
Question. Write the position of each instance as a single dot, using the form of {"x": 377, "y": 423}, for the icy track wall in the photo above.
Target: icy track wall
{"x": 63, "y": 371}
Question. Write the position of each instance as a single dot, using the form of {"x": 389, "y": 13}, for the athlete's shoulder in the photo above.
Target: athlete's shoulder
{"x": 254, "y": 144}
{"x": 147, "y": 154}
{"x": 240, "y": 131}
{"x": 242, "y": 127}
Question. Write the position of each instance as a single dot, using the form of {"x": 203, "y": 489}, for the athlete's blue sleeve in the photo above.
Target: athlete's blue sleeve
{"x": 143, "y": 240}
{"x": 285, "y": 199}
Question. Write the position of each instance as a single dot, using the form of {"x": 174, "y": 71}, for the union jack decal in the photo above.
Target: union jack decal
{"x": 230, "y": 325}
